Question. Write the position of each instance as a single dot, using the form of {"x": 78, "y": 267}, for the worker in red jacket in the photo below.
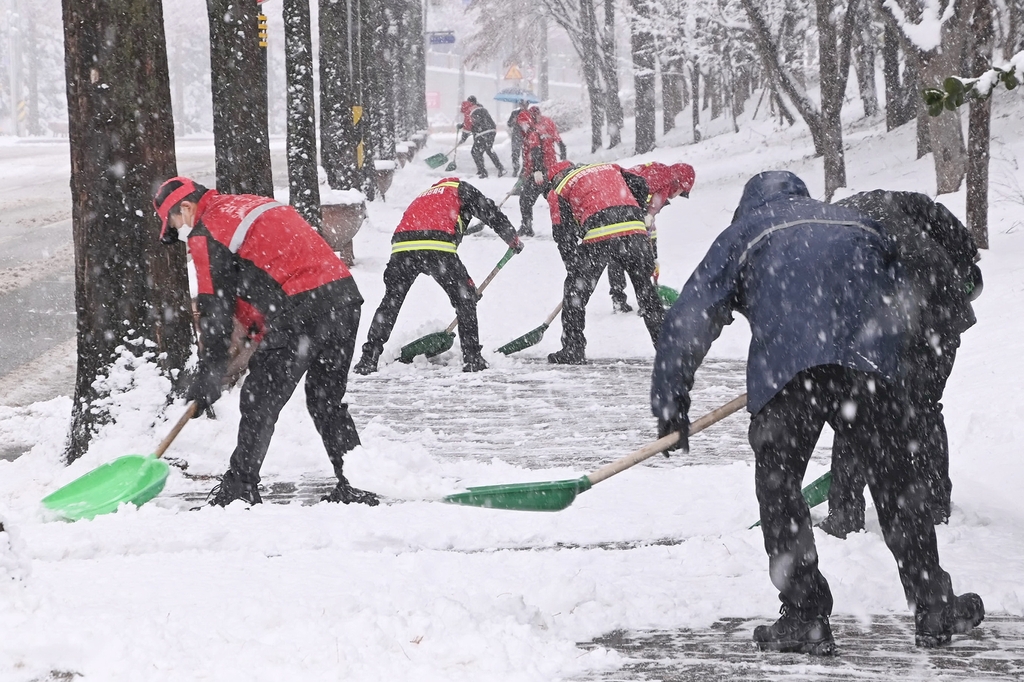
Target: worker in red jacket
{"x": 256, "y": 250}
{"x": 664, "y": 183}
{"x": 597, "y": 217}
{"x": 478, "y": 121}
{"x": 540, "y": 137}
{"x": 426, "y": 242}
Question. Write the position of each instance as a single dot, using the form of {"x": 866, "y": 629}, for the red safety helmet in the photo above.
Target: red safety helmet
{"x": 171, "y": 193}
{"x": 684, "y": 178}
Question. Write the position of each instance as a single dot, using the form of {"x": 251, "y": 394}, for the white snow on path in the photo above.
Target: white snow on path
{"x": 418, "y": 590}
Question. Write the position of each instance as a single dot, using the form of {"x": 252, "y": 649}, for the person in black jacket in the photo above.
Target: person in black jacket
{"x": 515, "y": 135}
{"x": 426, "y": 242}
{"x": 820, "y": 286}
{"x": 938, "y": 257}
{"x": 477, "y": 120}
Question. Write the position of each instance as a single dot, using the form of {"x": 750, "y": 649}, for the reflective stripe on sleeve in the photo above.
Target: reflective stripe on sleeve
{"x": 423, "y": 245}
{"x": 243, "y": 227}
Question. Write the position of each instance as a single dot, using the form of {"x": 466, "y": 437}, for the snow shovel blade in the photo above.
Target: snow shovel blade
{"x": 133, "y": 478}
{"x": 429, "y": 345}
{"x": 530, "y": 338}
{"x": 437, "y": 160}
{"x": 815, "y": 492}
{"x": 451, "y": 166}
{"x": 668, "y": 295}
{"x": 543, "y": 496}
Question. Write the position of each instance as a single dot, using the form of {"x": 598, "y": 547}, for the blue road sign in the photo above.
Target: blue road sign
{"x": 442, "y": 37}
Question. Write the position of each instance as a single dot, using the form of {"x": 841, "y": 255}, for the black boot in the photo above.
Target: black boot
{"x": 936, "y": 626}
{"x": 620, "y": 306}
{"x": 501, "y": 171}
{"x": 525, "y": 230}
{"x": 840, "y": 523}
{"x": 232, "y": 488}
{"x": 567, "y": 357}
{"x": 474, "y": 362}
{"x": 368, "y": 363}
{"x": 798, "y": 633}
{"x": 346, "y": 494}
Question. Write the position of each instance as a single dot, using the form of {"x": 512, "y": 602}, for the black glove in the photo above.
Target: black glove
{"x": 517, "y": 245}
{"x": 679, "y": 423}
{"x": 204, "y": 390}
{"x": 458, "y": 126}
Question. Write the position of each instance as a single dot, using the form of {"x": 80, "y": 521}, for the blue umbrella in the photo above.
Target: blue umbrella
{"x": 516, "y": 95}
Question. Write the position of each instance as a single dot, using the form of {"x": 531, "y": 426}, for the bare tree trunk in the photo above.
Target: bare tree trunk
{"x": 695, "y": 100}
{"x": 978, "y": 127}
{"x": 127, "y": 284}
{"x": 239, "y": 83}
{"x": 900, "y": 93}
{"x": 591, "y": 57}
{"x": 610, "y": 71}
{"x": 34, "y": 127}
{"x": 542, "y": 59}
{"x": 303, "y": 182}
{"x": 865, "y": 63}
{"x": 671, "y": 93}
{"x": 338, "y": 140}
{"x": 643, "y": 78}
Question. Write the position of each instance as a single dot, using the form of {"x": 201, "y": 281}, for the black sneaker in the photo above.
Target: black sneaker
{"x": 474, "y": 363}
{"x": 346, "y": 494}
{"x": 232, "y": 488}
{"x": 367, "y": 364}
{"x": 796, "y": 633}
{"x": 939, "y": 512}
{"x": 525, "y": 231}
{"x": 501, "y": 172}
{"x": 937, "y": 627}
{"x": 840, "y": 524}
{"x": 621, "y": 307}
{"x": 564, "y": 357}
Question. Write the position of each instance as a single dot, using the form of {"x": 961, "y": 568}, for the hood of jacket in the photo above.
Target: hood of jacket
{"x": 766, "y": 187}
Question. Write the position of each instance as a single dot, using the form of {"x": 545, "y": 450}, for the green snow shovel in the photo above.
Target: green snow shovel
{"x": 668, "y": 295}
{"x": 557, "y": 495}
{"x": 439, "y": 159}
{"x": 814, "y": 493}
{"x": 132, "y": 478}
{"x": 530, "y": 338}
{"x": 438, "y": 342}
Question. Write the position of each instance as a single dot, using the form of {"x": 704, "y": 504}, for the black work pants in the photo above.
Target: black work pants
{"x": 517, "y": 150}
{"x": 448, "y": 271}
{"x": 315, "y": 337}
{"x": 582, "y": 271}
{"x": 871, "y": 413}
{"x": 928, "y": 368}
{"x": 528, "y": 195}
{"x": 617, "y": 277}
{"x": 483, "y": 144}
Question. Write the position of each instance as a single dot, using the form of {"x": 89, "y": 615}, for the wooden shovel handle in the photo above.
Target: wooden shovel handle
{"x": 662, "y": 444}
{"x": 554, "y": 314}
{"x": 480, "y": 289}
{"x": 166, "y": 442}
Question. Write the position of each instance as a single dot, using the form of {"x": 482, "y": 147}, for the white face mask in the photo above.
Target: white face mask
{"x": 185, "y": 229}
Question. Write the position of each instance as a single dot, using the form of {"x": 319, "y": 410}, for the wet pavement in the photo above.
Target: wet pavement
{"x": 882, "y": 649}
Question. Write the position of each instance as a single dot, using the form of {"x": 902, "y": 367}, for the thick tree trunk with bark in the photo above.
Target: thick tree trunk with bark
{"x": 303, "y": 182}
{"x": 642, "y": 43}
{"x": 979, "y": 127}
{"x": 238, "y": 69}
{"x": 338, "y": 139}
{"x": 671, "y": 93}
{"x": 127, "y": 284}
{"x": 865, "y": 62}
{"x": 591, "y": 57}
{"x": 610, "y": 72}
{"x": 900, "y": 92}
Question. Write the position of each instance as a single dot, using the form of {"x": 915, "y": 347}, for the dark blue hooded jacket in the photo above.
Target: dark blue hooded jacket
{"x": 815, "y": 281}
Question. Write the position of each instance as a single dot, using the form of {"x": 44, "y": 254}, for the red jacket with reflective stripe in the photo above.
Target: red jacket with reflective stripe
{"x": 539, "y": 142}
{"x": 434, "y": 214}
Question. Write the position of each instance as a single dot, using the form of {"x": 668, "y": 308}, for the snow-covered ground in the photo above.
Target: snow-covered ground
{"x": 417, "y": 590}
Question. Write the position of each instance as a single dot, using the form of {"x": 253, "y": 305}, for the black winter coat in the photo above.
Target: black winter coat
{"x": 816, "y": 282}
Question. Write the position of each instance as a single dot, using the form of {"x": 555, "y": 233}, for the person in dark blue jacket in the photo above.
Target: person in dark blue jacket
{"x": 819, "y": 285}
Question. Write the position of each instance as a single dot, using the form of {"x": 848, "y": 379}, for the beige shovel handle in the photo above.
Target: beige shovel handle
{"x": 166, "y": 442}
{"x": 554, "y": 314}
{"x": 662, "y": 444}
{"x": 480, "y": 289}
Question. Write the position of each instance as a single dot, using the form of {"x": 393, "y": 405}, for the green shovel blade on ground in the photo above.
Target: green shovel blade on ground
{"x": 436, "y": 343}
{"x": 557, "y": 495}
{"x": 134, "y": 479}
{"x": 530, "y": 338}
